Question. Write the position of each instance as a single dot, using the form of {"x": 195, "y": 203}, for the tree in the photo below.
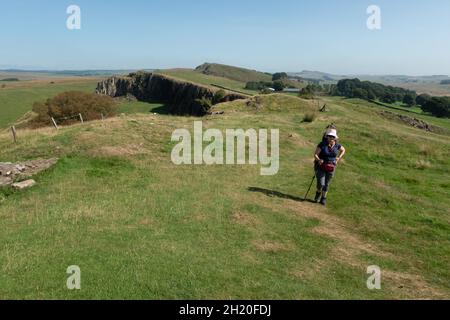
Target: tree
{"x": 66, "y": 106}
{"x": 360, "y": 93}
{"x": 438, "y": 106}
{"x": 423, "y": 99}
{"x": 410, "y": 99}
{"x": 371, "y": 95}
{"x": 279, "y": 76}
{"x": 278, "y": 85}
{"x": 354, "y": 88}
{"x": 388, "y": 98}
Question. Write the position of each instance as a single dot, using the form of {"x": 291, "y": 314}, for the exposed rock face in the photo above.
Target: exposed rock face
{"x": 11, "y": 172}
{"x": 180, "y": 97}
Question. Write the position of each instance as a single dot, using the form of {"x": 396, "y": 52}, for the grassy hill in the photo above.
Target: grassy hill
{"x": 198, "y": 77}
{"x": 141, "y": 227}
{"x": 234, "y": 73}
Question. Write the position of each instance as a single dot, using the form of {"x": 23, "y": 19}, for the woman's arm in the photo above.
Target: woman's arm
{"x": 316, "y": 155}
{"x": 342, "y": 152}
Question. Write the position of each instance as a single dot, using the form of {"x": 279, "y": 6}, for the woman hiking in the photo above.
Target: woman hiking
{"x": 328, "y": 154}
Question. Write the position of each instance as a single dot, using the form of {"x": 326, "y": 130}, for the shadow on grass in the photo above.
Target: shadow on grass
{"x": 164, "y": 110}
{"x": 277, "y": 194}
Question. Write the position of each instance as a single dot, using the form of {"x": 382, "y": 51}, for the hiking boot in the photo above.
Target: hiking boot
{"x": 317, "y": 198}
{"x": 323, "y": 201}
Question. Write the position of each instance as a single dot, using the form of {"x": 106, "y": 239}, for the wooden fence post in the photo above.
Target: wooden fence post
{"x": 14, "y": 133}
{"x": 54, "y": 123}
{"x": 103, "y": 117}
{"x": 81, "y": 118}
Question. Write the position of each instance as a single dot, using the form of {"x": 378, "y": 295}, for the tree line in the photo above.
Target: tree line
{"x": 355, "y": 88}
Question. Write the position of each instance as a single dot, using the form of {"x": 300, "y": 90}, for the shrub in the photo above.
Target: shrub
{"x": 310, "y": 117}
{"x": 67, "y": 105}
{"x": 278, "y": 85}
{"x": 258, "y": 85}
{"x": 279, "y": 76}
{"x": 219, "y": 96}
{"x": 202, "y": 105}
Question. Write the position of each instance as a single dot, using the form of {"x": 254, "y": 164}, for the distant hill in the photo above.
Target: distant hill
{"x": 33, "y": 74}
{"x": 384, "y": 79}
{"x": 234, "y": 73}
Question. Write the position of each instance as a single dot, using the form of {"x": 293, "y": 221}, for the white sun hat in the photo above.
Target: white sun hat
{"x": 332, "y": 133}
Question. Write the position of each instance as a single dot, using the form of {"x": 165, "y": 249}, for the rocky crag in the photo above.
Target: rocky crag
{"x": 181, "y": 98}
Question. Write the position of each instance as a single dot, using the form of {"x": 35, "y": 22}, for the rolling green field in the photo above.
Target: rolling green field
{"x": 15, "y": 102}
{"x": 140, "y": 227}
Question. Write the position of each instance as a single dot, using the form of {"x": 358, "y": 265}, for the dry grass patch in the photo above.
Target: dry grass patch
{"x": 270, "y": 246}
{"x": 120, "y": 151}
{"x": 245, "y": 219}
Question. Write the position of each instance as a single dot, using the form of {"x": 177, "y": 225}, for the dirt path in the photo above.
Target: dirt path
{"x": 349, "y": 246}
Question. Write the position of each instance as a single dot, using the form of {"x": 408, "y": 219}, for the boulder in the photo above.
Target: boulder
{"x": 10, "y": 172}
{"x": 24, "y": 184}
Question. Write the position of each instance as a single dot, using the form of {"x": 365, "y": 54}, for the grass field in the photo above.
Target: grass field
{"x": 18, "y": 99}
{"x": 140, "y": 227}
{"x": 434, "y": 89}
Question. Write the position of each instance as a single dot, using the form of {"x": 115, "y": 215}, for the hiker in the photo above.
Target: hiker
{"x": 328, "y": 154}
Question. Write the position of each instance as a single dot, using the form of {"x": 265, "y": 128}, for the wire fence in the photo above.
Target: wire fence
{"x": 54, "y": 122}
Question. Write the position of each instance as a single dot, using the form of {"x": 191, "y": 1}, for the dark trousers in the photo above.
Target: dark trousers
{"x": 323, "y": 179}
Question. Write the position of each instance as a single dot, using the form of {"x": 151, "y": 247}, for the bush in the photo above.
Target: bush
{"x": 66, "y": 106}
{"x": 279, "y": 76}
{"x": 219, "y": 96}
{"x": 258, "y": 85}
{"x": 279, "y": 85}
{"x": 310, "y": 91}
{"x": 306, "y": 95}
{"x": 310, "y": 117}
{"x": 202, "y": 106}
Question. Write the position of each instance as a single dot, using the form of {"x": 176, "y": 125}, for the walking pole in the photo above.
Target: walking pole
{"x": 314, "y": 178}
{"x": 306, "y": 195}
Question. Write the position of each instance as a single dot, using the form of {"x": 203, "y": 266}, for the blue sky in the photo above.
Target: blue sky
{"x": 283, "y": 35}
